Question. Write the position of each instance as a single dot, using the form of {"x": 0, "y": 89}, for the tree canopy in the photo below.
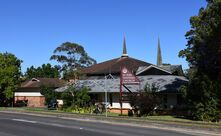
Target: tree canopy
{"x": 72, "y": 56}
{"x": 203, "y": 53}
{"x": 46, "y": 71}
{"x": 10, "y": 72}
{"x": 204, "y": 43}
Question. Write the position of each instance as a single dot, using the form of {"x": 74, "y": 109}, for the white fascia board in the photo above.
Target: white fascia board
{"x": 28, "y": 94}
{"x": 161, "y": 69}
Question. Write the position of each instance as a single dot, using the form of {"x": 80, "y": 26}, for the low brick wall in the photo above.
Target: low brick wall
{"x": 33, "y": 101}
{"x": 116, "y": 110}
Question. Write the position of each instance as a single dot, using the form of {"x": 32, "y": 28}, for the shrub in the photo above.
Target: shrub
{"x": 202, "y": 99}
{"x": 76, "y": 109}
{"x": 48, "y": 93}
{"x": 75, "y": 98}
{"x": 145, "y": 102}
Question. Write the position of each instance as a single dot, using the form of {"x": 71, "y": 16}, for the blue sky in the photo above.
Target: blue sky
{"x": 32, "y": 29}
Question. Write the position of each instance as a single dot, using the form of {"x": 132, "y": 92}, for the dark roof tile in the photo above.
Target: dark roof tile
{"x": 38, "y": 82}
{"x": 113, "y": 66}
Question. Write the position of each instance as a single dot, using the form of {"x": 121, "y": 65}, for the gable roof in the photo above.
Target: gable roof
{"x": 174, "y": 69}
{"x": 113, "y": 66}
{"x": 38, "y": 82}
{"x": 146, "y": 68}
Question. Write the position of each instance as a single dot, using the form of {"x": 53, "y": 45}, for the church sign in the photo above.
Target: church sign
{"x": 127, "y": 77}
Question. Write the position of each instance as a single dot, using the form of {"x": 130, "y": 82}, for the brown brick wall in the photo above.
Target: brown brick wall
{"x": 115, "y": 110}
{"x": 33, "y": 101}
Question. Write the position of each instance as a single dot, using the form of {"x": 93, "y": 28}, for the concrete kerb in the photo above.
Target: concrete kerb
{"x": 111, "y": 120}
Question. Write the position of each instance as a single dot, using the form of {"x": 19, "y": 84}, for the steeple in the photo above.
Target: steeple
{"x": 124, "y": 49}
{"x": 159, "y": 56}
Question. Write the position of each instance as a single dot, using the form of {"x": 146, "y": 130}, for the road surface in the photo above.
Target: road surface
{"x": 14, "y": 124}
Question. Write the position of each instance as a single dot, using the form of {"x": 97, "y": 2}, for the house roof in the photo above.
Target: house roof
{"x": 173, "y": 69}
{"x": 113, "y": 66}
{"x": 142, "y": 69}
{"x": 38, "y": 82}
{"x": 163, "y": 83}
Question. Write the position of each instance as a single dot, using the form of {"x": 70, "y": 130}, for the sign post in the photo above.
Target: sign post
{"x": 126, "y": 78}
{"x": 105, "y": 84}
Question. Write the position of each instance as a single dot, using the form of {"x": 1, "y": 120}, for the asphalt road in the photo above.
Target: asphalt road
{"x": 12, "y": 124}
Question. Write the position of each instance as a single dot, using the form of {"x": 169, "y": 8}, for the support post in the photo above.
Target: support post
{"x": 105, "y": 96}
{"x": 121, "y": 104}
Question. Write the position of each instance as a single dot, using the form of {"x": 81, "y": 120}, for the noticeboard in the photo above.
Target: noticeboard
{"x": 127, "y": 77}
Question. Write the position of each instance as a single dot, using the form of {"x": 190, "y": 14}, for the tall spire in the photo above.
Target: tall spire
{"x": 124, "y": 49}
{"x": 159, "y": 56}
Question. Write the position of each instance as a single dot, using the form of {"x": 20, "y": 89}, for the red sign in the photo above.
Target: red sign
{"x": 127, "y": 77}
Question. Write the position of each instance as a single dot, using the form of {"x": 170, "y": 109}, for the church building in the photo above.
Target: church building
{"x": 103, "y": 79}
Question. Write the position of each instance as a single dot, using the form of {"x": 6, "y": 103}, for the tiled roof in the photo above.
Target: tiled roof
{"x": 38, "y": 82}
{"x": 141, "y": 70}
{"x": 113, "y": 66}
{"x": 173, "y": 69}
{"x": 163, "y": 83}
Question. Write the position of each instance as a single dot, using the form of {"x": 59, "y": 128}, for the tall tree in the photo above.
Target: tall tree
{"x": 10, "y": 72}
{"x": 72, "y": 56}
{"x": 46, "y": 71}
{"x": 203, "y": 53}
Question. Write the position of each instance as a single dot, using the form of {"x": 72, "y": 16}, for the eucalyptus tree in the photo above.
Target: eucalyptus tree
{"x": 72, "y": 57}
